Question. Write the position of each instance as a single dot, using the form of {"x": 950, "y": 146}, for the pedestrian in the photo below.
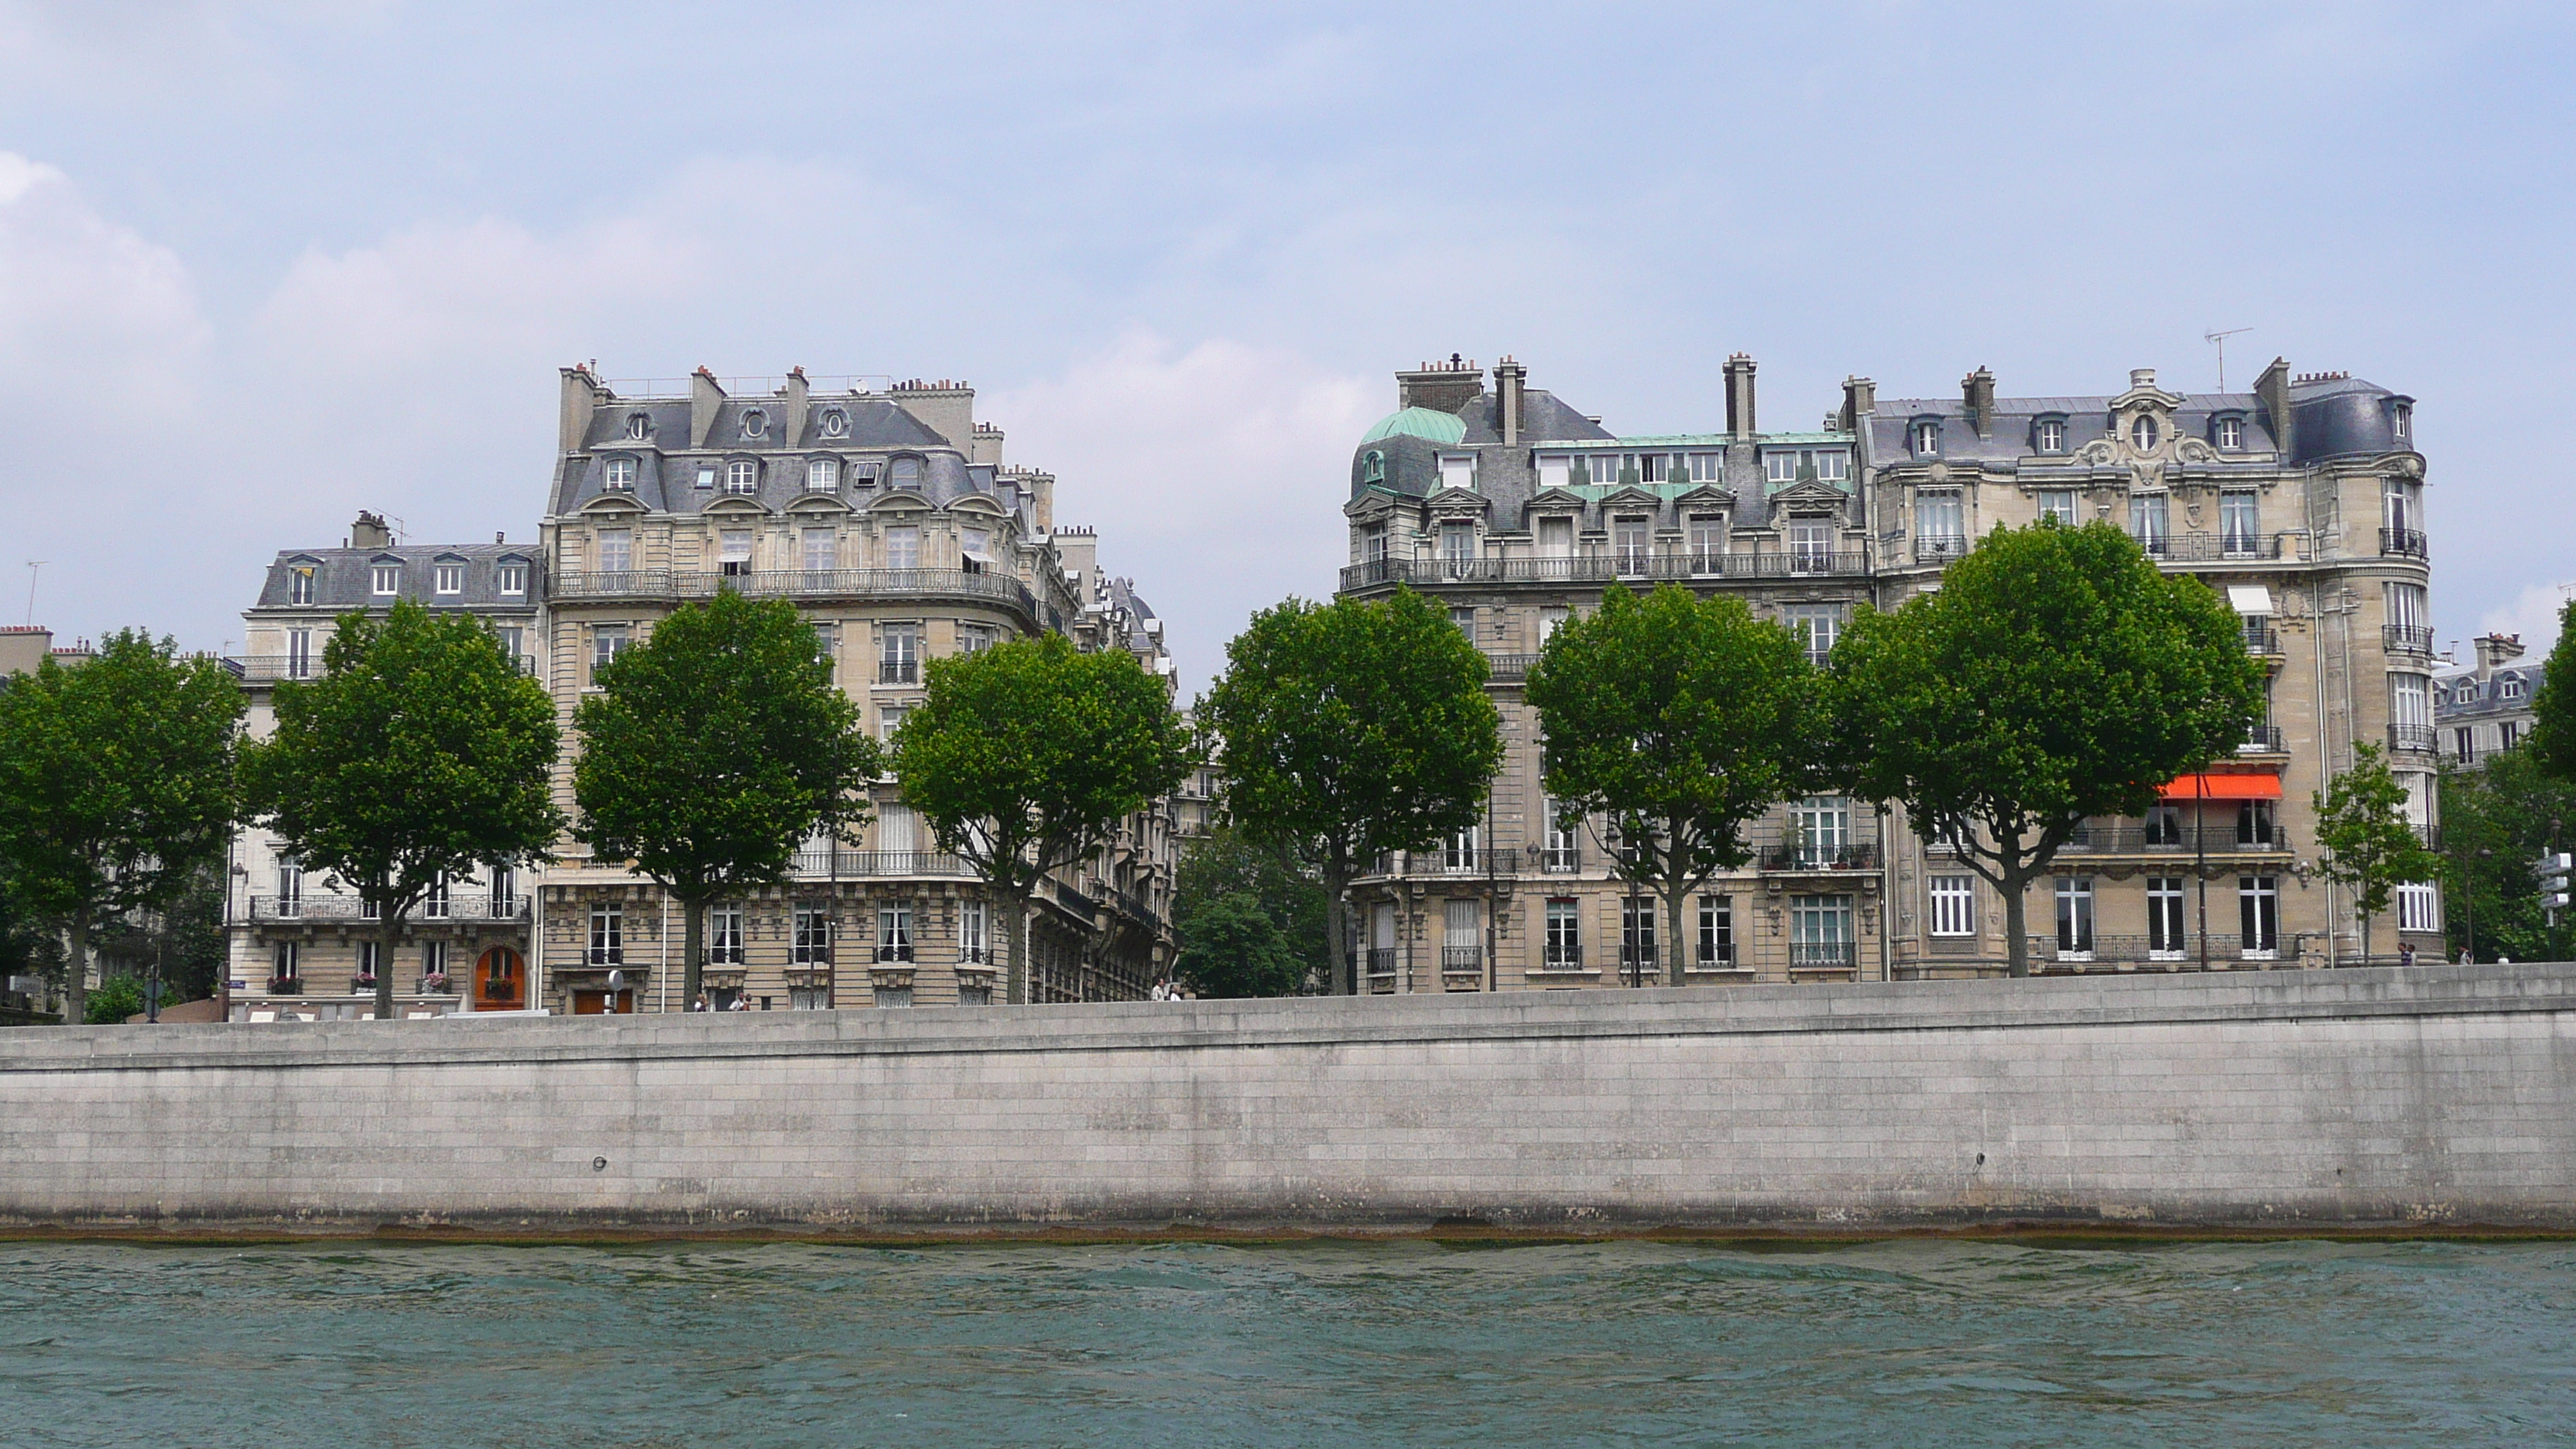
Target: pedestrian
{"x": 2464, "y": 957}
{"x": 2405, "y": 953}
{"x": 700, "y": 1004}
{"x": 741, "y": 1002}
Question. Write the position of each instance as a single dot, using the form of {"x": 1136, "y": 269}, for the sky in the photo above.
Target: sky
{"x": 263, "y": 265}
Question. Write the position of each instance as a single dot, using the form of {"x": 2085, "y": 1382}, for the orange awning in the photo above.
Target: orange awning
{"x": 2222, "y": 787}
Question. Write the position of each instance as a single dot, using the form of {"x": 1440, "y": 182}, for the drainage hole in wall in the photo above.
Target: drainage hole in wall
{"x": 1981, "y": 1159}
{"x": 599, "y": 1164}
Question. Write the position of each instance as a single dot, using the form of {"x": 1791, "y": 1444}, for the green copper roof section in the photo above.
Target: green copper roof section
{"x": 1684, "y": 440}
{"x": 1419, "y": 423}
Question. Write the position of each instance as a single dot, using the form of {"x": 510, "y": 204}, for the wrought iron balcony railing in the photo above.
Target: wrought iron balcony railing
{"x": 2402, "y": 543}
{"x": 2228, "y": 839}
{"x": 2407, "y": 638}
{"x": 1940, "y": 548}
{"x": 824, "y": 864}
{"x": 350, "y": 908}
{"x": 2263, "y": 738}
{"x": 794, "y": 584}
{"x": 1856, "y": 855}
{"x": 1811, "y": 955}
{"x": 1681, "y": 565}
{"x": 2410, "y": 737}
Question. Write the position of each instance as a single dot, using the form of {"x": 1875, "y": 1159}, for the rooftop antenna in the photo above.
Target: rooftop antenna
{"x": 33, "y": 564}
{"x": 2220, "y": 338}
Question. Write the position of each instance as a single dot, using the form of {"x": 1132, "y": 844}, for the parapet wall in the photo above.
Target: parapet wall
{"x": 2351, "y": 1097}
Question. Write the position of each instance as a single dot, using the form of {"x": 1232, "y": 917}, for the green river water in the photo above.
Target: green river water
{"x": 1917, "y": 1343}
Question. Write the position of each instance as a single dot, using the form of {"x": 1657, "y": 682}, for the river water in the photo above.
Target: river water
{"x": 1913, "y": 1343}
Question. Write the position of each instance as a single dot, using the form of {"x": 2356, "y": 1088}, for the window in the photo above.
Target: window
{"x": 2418, "y": 907}
{"x": 367, "y": 951}
{"x": 607, "y": 936}
{"x": 299, "y": 654}
{"x": 299, "y": 583}
{"x": 904, "y": 473}
{"x": 2058, "y": 504}
{"x": 2509, "y": 686}
{"x": 706, "y": 475}
{"x": 2410, "y": 700}
{"x": 1457, "y": 546}
{"x": 607, "y": 641}
{"x": 621, "y": 474}
{"x": 511, "y": 578}
{"x": 894, "y": 933}
{"x": 386, "y": 578}
{"x": 733, "y": 552}
{"x": 1954, "y": 905}
{"x": 505, "y": 893}
{"x": 1707, "y": 542}
{"x": 639, "y": 425}
{"x": 2142, "y": 434}
{"x": 823, "y": 475}
{"x": 1564, "y": 934}
{"x": 1811, "y": 548}
{"x": 1817, "y": 626}
{"x": 2254, "y": 823}
{"x": 822, "y": 549}
{"x": 2401, "y": 421}
{"x": 975, "y": 638}
{"x": 2164, "y": 918}
{"x": 1560, "y": 848}
{"x": 2238, "y": 522}
{"x": 974, "y": 944}
{"x": 1821, "y": 827}
{"x": 1461, "y": 938}
{"x": 1459, "y": 851}
{"x": 1637, "y": 934}
{"x": 1551, "y": 618}
{"x": 2150, "y": 522}
{"x": 2231, "y": 433}
{"x": 290, "y": 886}
{"x": 1458, "y": 470}
{"x": 1464, "y": 619}
{"x": 863, "y": 474}
{"x": 2258, "y": 913}
{"x": 1716, "y": 931}
{"x": 2164, "y": 825}
{"x": 1927, "y": 437}
{"x": 2074, "y": 917}
{"x": 433, "y": 958}
{"x": 2508, "y": 734}
{"x": 2465, "y": 744}
{"x": 742, "y": 476}
{"x": 1373, "y": 543}
{"x": 975, "y": 544}
{"x": 754, "y": 423}
{"x": 899, "y": 654}
{"x": 890, "y": 719}
{"x": 810, "y": 937}
{"x": 2052, "y": 436}
{"x": 836, "y": 423}
{"x": 1940, "y": 529}
{"x": 903, "y": 547}
{"x": 448, "y": 578}
{"x": 1780, "y": 467}
{"x": 1833, "y": 465}
{"x": 1820, "y": 931}
{"x": 282, "y": 966}
{"x": 434, "y": 902}
{"x": 1707, "y": 467}
{"x": 1628, "y": 541}
{"x": 724, "y": 935}
{"x": 616, "y": 550}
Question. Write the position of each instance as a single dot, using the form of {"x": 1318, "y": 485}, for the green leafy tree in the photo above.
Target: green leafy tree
{"x": 1249, "y": 917}
{"x": 2553, "y": 728}
{"x": 117, "y": 998}
{"x": 1024, "y": 756}
{"x": 1348, "y": 729}
{"x": 712, "y": 750}
{"x": 1681, "y": 719}
{"x": 420, "y": 753}
{"x": 116, "y": 786}
{"x": 182, "y": 941}
{"x": 2057, "y": 674}
{"x": 2496, "y": 821}
{"x": 2365, "y": 842}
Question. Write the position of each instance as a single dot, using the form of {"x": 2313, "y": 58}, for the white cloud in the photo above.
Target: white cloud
{"x": 2533, "y": 614}
{"x": 88, "y": 308}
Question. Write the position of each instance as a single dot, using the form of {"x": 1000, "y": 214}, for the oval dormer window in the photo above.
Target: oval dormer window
{"x": 754, "y": 423}
{"x": 2142, "y": 434}
{"x": 836, "y": 424}
{"x": 639, "y": 425}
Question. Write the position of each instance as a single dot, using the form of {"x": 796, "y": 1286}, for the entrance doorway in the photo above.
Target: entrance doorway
{"x": 602, "y": 1003}
{"x": 500, "y": 981}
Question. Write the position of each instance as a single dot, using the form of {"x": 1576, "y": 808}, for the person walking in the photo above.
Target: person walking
{"x": 2405, "y": 953}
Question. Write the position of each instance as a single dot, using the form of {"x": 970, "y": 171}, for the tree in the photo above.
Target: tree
{"x": 2553, "y": 728}
{"x": 1681, "y": 719}
{"x": 2496, "y": 821}
{"x": 1023, "y": 757}
{"x": 420, "y": 753}
{"x": 2056, "y": 675}
{"x": 712, "y": 750}
{"x": 1249, "y": 918}
{"x": 117, "y": 998}
{"x": 2365, "y": 842}
{"x": 116, "y": 785}
{"x": 1348, "y": 729}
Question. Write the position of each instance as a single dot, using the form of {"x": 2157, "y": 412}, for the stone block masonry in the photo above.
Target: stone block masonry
{"x": 2440, "y": 1094}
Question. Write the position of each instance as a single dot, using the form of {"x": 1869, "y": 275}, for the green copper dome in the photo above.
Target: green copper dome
{"x": 1418, "y": 423}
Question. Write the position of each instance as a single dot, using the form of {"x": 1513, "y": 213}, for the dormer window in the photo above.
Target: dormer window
{"x": 1780, "y": 467}
{"x": 1927, "y": 438}
{"x": 823, "y": 475}
{"x": 2142, "y": 433}
{"x": 621, "y": 475}
{"x": 905, "y": 473}
{"x": 511, "y": 578}
{"x": 755, "y": 423}
{"x": 385, "y": 579}
{"x": 299, "y": 583}
{"x": 2231, "y": 433}
{"x": 1458, "y": 470}
{"x": 742, "y": 476}
{"x": 863, "y": 475}
{"x": 2052, "y": 436}
{"x": 1373, "y": 466}
{"x": 2509, "y": 687}
{"x": 639, "y": 425}
{"x": 448, "y": 578}
{"x": 2401, "y": 421}
{"x": 836, "y": 424}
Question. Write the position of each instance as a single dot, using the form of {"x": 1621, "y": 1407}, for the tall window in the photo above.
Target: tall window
{"x": 1560, "y": 848}
{"x": 1637, "y": 933}
{"x": 2058, "y": 503}
{"x": 607, "y": 936}
{"x": 2165, "y": 940}
{"x": 299, "y": 653}
{"x": 2258, "y": 913}
{"x": 2164, "y": 825}
{"x": 1555, "y": 538}
{"x": 607, "y": 641}
{"x": 2238, "y": 521}
{"x": 742, "y": 476}
{"x": 448, "y": 578}
{"x": 1564, "y": 934}
{"x": 811, "y": 937}
{"x": 434, "y": 902}
{"x": 1940, "y": 528}
{"x": 975, "y": 543}
{"x": 385, "y": 578}
{"x": 903, "y": 547}
{"x": 899, "y": 654}
{"x": 2465, "y": 743}
{"x": 1461, "y": 936}
{"x": 282, "y": 964}
{"x": 290, "y": 886}
{"x": 511, "y": 578}
{"x": 724, "y": 935}
{"x": 367, "y": 953}
{"x": 1464, "y": 619}
{"x": 1954, "y": 905}
{"x": 2401, "y": 421}
{"x": 2052, "y": 436}
{"x": 1373, "y": 542}
{"x": 1552, "y": 617}
{"x": 1811, "y": 547}
{"x": 299, "y": 584}
{"x": 733, "y": 552}
{"x": 890, "y": 719}
{"x": 2074, "y": 916}
{"x": 2150, "y": 521}
{"x": 1817, "y": 626}
{"x": 975, "y": 638}
{"x": 1457, "y": 545}
{"x": 505, "y": 893}
{"x": 616, "y": 550}
{"x": 1927, "y": 437}
{"x": 2418, "y": 907}
{"x": 2254, "y": 823}
{"x": 1707, "y": 542}
{"x": 1822, "y": 824}
{"x": 973, "y": 945}
{"x": 895, "y": 834}
{"x": 823, "y": 475}
{"x": 822, "y": 549}
{"x": 1459, "y": 851}
{"x": 1628, "y": 541}
{"x": 621, "y": 474}
{"x": 1716, "y": 931}
{"x": 2410, "y": 700}
{"x": 1820, "y": 931}
{"x": 433, "y": 958}
{"x": 2508, "y": 734}
{"x": 894, "y": 933}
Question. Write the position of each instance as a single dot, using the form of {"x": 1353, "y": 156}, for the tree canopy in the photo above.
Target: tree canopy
{"x": 1023, "y": 758}
{"x": 420, "y": 753}
{"x": 2496, "y": 821}
{"x": 1347, "y": 729}
{"x": 117, "y": 785}
{"x": 713, "y": 749}
{"x": 2553, "y": 727}
{"x": 1681, "y": 719}
{"x": 1250, "y": 919}
{"x": 2057, "y": 674}
{"x": 2365, "y": 842}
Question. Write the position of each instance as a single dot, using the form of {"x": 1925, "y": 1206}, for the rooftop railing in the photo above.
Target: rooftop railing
{"x": 1626, "y": 566}
{"x": 795, "y": 584}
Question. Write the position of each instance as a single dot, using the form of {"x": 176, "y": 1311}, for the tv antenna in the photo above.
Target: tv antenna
{"x": 33, "y": 564}
{"x": 2220, "y": 338}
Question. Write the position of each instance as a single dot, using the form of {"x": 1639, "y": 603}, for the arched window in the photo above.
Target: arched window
{"x": 2052, "y": 436}
{"x": 754, "y": 423}
{"x": 639, "y": 425}
{"x": 1373, "y": 467}
{"x": 2142, "y": 433}
{"x": 621, "y": 474}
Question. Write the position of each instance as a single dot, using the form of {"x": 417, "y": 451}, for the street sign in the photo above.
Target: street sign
{"x": 2554, "y": 870}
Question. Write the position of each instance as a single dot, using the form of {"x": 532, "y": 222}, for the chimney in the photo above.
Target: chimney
{"x": 795, "y": 392}
{"x": 1977, "y": 389}
{"x": 1510, "y": 378}
{"x": 1739, "y": 397}
{"x": 704, "y": 398}
{"x": 2495, "y": 651}
{"x": 2272, "y": 389}
{"x": 581, "y": 396}
{"x": 1860, "y": 399}
{"x": 500, "y": 535}
{"x": 946, "y": 407}
{"x": 370, "y": 531}
{"x": 1443, "y": 387}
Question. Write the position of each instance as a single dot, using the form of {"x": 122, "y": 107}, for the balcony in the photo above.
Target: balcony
{"x": 1556, "y": 859}
{"x": 661, "y": 584}
{"x": 1562, "y": 958}
{"x": 1804, "y": 859}
{"x": 270, "y": 668}
{"x": 889, "y": 952}
{"x": 2260, "y": 638}
{"x": 1940, "y": 548}
{"x": 2227, "y": 839}
{"x": 2407, "y": 639}
{"x": 2411, "y": 737}
{"x": 1509, "y": 667}
{"x": 2263, "y": 739}
{"x": 1467, "y": 961}
{"x": 350, "y": 908}
{"x": 286, "y": 986}
{"x": 1678, "y": 565}
{"x": 827, "y": 864}
{"x": 2401, "y": 543}
{"x": 899, "y": 671}
{"x": 1642, "y": 962}
{"x": 1824, "y": 955}
{"x": 2211, "y": 547}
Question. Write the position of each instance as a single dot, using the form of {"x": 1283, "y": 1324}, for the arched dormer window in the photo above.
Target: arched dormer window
{"x": 755, "y": 423}
{"x": 2508, "y": 686}
{"x": 2048, "y": 435}
{"x": 1373, "y": 466}
{"x": 2227, "y": 432}
{"x": 639, "y": 425}
{"x": 1925, "y": 437}
{"x": 742, "y": 476}
{"x": 299, "y": 579}
{"x": 2143, "y": 433}
{"x": 618, "y": 475}
{"x": 822, "y": 475}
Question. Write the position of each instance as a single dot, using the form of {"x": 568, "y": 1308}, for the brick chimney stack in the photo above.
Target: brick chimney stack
{"x": 1740, "y": 424}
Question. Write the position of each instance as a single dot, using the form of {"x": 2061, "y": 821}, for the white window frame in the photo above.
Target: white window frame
{"x": 1562, "y": 945}
{"x": 616, "y": 549}
{"x": 2231, "y": 433}
{"x": 2052, "y": 436}
{"x": 1716, "y": 933}
{"x": 607, "y": 936}
{"x": 723, "y": 943}
{"x": 822, "y": 475}
{"x": 1707, "y": 467}
{"x": 510, "y": 578}
{"x": 299, "y": 583}
{"x": 1927, "y": 438}
{"x": 903, "y": 546}
{"x": 620, "y": 475}
{"x": 742, "y": 476}
{"x": 2058, "y": 503}
{"x": 974, "y": 941}
{"x": 448, "y": 578}
{"x": 1954, "y": 905}
{"x": 2145, "y": 432}
{"x": 2419, "y": 906}
{"x": 2078, "y": 926}
{"x": 2165, "y": 909}
{"x": 384, "y": 579}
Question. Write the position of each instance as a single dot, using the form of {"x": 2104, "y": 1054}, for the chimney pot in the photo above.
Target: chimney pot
{"x": 2141, "y": 377}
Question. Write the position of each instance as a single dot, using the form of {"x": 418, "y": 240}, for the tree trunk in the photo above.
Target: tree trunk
{"x": 76, "y": 972}
{"x": 391, "y": 933}
{"x": 1337, "y": 926}
{"x": 693, "y": 940}
{"x": 1676, "y": 897}
{"x": 2016, "y": 926}
{"x": 2365, "y": 936}
{"x": 1015, "y": 935}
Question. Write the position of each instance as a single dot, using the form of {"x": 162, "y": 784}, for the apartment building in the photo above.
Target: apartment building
{"x": 887, "y": 514}
{"x": 2300, "y": 501}
{"x": 302, "y": 945}
{"x": 2487, "y": 708}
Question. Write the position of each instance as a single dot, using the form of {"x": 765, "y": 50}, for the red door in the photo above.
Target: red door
{"x": 500, "y": 982}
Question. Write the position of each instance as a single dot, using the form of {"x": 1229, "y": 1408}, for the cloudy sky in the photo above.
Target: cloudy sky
{"x": 262, "y": 265}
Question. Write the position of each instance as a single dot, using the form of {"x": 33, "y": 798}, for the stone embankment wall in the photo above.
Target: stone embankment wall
{"x": 2440, "y": 1094}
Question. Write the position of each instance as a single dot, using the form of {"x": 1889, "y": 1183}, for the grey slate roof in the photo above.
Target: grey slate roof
{"x": 344, "y": 578}
{"x": 2330, "y": 417}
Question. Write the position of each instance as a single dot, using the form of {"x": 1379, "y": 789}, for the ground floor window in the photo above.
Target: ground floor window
{"x": 1954, "y": 905}
{"x": 1636, "y": 934}
{"x": 282, "y": 961}
{"x": 974, "y": 996}
{"x": 1717, "y": 930}
{"x": 367, "y": 959}
{"x": 2418, "y": 907}
{"x": 433, "y": 960}
{"x": 1820, "y": 931}
{"x": 1564, "y": 934}
{"x": 2164, "y": 917}
{"x": 809, "y": 998}
{"x": 894, "y": 996}
{"x": 2074, "y": 917}
{"x": 2258, "y": 911}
